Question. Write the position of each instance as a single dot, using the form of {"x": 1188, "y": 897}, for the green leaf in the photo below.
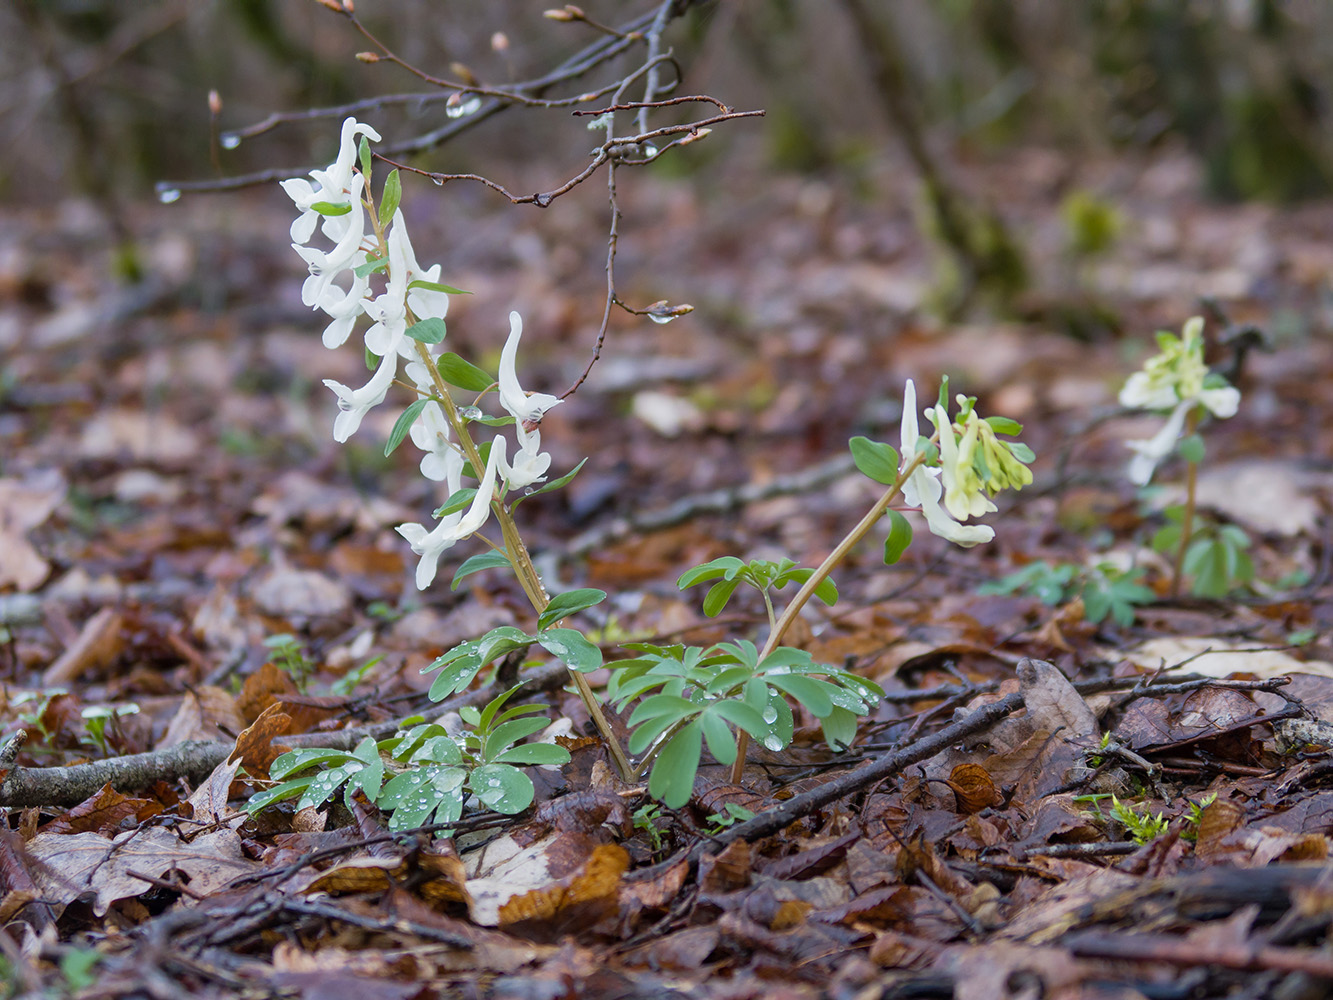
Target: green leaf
{"x": 331, "y": 208}
{"x": 370, "y": 266}
{"x": 457, "y": 501}
{"x": 667, "y": 706}
{"x": 428, "y": 331}
{"x": 827, "y": 591}
{"x": 391, "y": 196}
{"x": 280, "y": 793}
{"x": 534, "y": 754}
{"x": 875, "y": 459}
{"x": 1022, "y": 452}
{"x": 502, "y": 788}
{"x": 435, "y": 286}
{"x": 727, "y": 566}
{"x": 839, "y": 728}
{"x": 672, "y": 780}
{"x": 404, "y": 424}
{"x": 721, "y": 742}
{"x": 363, "y": 153}
{"x": 477, "y": 563}
{"x": 463, "y": 374}
{"x": 806, "y": 690}
{"x": 1192, "y": 449}
{"x": 1004, "y": 425}
{"x": 298, "y": 760}
{"x": 900, "y": 536}
{"x": 571, "y": 648}
{"x": 555, "y": 484}
{"x": 739, "y": 714}
{"x": 570, "y": 603}
{"x": 504, "y": 736}
{"x": 718, "y": 596}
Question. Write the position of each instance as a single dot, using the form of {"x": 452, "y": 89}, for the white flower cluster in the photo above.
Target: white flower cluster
{"x": 336, "y": 203}
{"x": 923, "y": 486}
{"x": 1174, "y": 379}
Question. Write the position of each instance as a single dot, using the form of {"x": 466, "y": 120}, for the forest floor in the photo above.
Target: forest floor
{"x": 171, "y": 497}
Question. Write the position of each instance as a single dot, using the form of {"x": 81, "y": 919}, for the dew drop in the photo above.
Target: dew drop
{"x": 437, "y": 181}
{"x": 660, "y": 320}
{"x": 465, "y": 107}
{"x": 166, "y": 195}
{"x": 230, "y": 140}
{"x": 649, "y": 150}
{"x": 772, "y": 743}
{"x": 770, "y": 715}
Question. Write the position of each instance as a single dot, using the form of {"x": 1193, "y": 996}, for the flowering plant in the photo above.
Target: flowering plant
{"x": 1176, "y": 381}
{"x": 686, "y": 696}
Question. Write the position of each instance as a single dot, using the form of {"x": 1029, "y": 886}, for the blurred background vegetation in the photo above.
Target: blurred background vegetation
{"x": 104, "y": 98}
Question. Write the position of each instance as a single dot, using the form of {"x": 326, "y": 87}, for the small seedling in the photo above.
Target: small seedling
{"x": 96, "y": 719}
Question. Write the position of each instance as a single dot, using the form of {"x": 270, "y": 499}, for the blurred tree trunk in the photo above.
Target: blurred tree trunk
{"x": 991, "y": 264}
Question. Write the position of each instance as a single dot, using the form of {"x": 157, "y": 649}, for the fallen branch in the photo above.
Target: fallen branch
{"x": 195, "y": 760}
{"x": 773, "y": 820}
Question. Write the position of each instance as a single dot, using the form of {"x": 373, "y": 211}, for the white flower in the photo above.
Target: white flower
{"x": 334, "y": 184}
{"x": 922, "y": 488}
{"x": 530, "y": 462}
{"x": 326, "y": 265}
{"x": 430, "y": 432}
{"x": 456, "y": 526}
{"x": 389, "y": 308}
{"x": 343, "y": 307}
{"x": 1173, "y": 379}
{"x": 354, "y": 404}
{"x": 962, "y": 486}
{"x": 524, "y": 408}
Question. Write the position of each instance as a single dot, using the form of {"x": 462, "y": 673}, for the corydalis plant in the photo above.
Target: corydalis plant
{"x": 1177, "y": 382}
{"x": 702, "y": 694}
{"x": 372, "y": 271}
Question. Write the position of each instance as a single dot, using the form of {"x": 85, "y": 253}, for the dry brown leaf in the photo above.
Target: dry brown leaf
{"x": 973, "y": 788}
{"x": 1219, "y": 819}
{"x": 76, "y": 863}
{"x": 209, "y": 801}
{"x": 503, "y": 869}
{"x": 138, "y": 435}
{"x": 1219, "y": 658}
{"x": 103, "y": 813}
{"x": 1052, "y": 702}
{"x": 255, "y": 746}
{"x": 262, "y": 688}
{"x": 100, "y": 641}
{"x": 24, "y": 504}
{"x": 599, "y": 880}
{"x": 206, "y": 713}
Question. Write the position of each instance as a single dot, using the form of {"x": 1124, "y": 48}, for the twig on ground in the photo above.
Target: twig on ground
{"x": 195, "y": 760}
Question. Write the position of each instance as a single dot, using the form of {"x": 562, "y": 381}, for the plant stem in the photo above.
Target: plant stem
{"x": 1187, "y": 520}
{"x": 829, "y": 564}
{"x": 521, "y": 560}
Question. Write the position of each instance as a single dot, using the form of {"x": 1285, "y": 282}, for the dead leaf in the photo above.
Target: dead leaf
{"x": 503, "y": 871}
{"x": 100, "y": 641}
{"x": 255, "y": 746}
{"x": 24, "y": 504}
{"x": 103, "y": 813}
{"x": 73, "y": 864}
{"x": 1219, "y": 658}
{"x": 206, "y": 713}
{"x": 1052, "y": 702}
{"x": 137, "y": 435}
{"x": 262, "y": 688}
{"x": 293, "y": 593}
{"x": 973, "y": 788}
